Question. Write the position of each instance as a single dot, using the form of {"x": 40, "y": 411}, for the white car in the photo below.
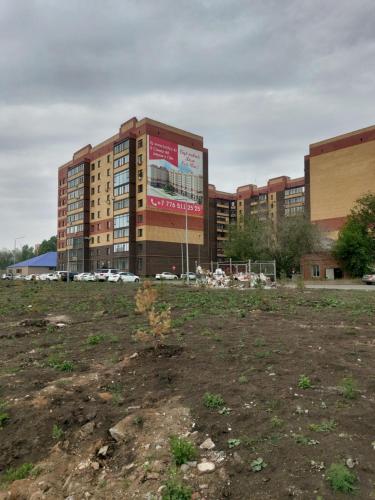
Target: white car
{"x": 166, "y": 276}
{"x": 123, "y": 277}
{"x": 85, "y": 277}
{"x": 104, "y": 274}
{"x": 52, "y": 277}
{"x": 192, "y": 276}
{"x": 369, "y": 279}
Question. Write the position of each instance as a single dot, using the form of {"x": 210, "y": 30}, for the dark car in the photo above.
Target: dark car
{"x": 64, "y": 275}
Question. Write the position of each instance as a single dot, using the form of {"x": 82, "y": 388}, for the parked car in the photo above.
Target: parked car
{"x": 30, "y": 277}
{"x": 85, "y": 277}
{"x": 192, "y": 276}
{"x": 103, "y": 274}
{"x": 64, "y": 275}
{"x": 369, "y": 279}
{"x": 7, "y": 276}
{"x": 166, "y": 276}
{"x": 124, "y": 277}
{"x": 52, "y": 277}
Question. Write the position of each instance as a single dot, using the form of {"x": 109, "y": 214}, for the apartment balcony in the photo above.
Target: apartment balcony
{"x": 221, "y": 205}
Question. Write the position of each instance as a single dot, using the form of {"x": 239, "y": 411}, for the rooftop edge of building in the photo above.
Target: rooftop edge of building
{"x": 342, "y": 141}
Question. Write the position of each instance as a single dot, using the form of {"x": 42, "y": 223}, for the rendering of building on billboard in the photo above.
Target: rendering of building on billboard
{"x": 174, "y": 177}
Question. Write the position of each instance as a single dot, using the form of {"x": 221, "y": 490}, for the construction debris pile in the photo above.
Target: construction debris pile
{"x": 219, "y": 279}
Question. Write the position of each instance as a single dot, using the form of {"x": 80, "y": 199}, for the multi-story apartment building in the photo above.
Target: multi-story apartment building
{"x": 281, "y": 197}
{"x": 125, "y": 202}
{"x": 338, "y": 171}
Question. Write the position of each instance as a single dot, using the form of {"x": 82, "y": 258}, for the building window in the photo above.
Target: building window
{"x": 315, "y": 271}
{"x": 108, "y": 211}
{"x": 108, "y": 185}
{"x": 140, "y": 174}
{"x": 139, "y": 263}
{"x": 75, "y": 170}
{"x": 92, "y": 166}
{"x": 98, "y": 163}
{"x": 139, "y": 159}
{"x": 122, "y": 146}
{"x": 99, "y": 188}
{"x": 140, "y": 219}
{"x": 121, "y": 233}
{"x": 92, "y": 190}
{"x": 92, "y": 215}
{"x": 108, "y": 158}
{"x": 98, "y": 214}
{"x": 118, "y": 205}
{"x": 121, "y": 221}
{"x": 123, "y": 160}
{"x": 121, "y": 178}
{"x": 108, "y": 172}
{"x": 118, "y": 191}
{"x": 140, "y": 203}
{"x": 121, "y": 247}
{"x": 75, "y": 182}
{"x": 140, "y": 143}
{"x": 92, "y": 203}
{"x": 98, "y": 239}
{"x": 98, "y": 176}
{"x": 98, "y": 202}
{"x": 140, "y": 188}
{"x": 93, "y": 178}
{"x": 140, "y": 233}
{"x": 108, "y": 237}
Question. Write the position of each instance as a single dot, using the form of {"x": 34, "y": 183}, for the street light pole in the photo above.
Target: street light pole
{"x": 15, "y": 247}
{"x": 187, "y": 243}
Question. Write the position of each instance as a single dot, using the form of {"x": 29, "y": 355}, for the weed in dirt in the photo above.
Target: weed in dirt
{"x": 224, "y": 411}
{"x": 304, "y": 382}
{"x": 61, "y": 365}
{"x": 243, "y": 379}
{"x": 263, "y": 354}
{"x": 57, "y": 432}
{"x": 306, "y": 441}
{"x": 138, "y": 421}
{"x": 182, "y": 450}
{"x": 51, "y": 328}
{"x": 349, "y": 388}
{"x": 324, "y": 426}
{"x": 259, "y": 342}
{"x": 21, "y": 472}
{"x": 117, "y": 391}
{"x": 258, "y": 464}
{"x": 95, "y": 339}
{"x": 341, "y": 478}
{"x": 175, "y": 490}
{"x": 4, "y": 415}
{"x": 276, "y": 422}
{"x": 213, "y": 401}
{"x": 233, "y": 443}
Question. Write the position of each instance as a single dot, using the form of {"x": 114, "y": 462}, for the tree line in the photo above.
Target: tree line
{"x": 260, "y": 239}
{"x": 8, "y": 256}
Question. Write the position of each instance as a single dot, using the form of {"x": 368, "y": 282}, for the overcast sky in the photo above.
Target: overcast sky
{"x": 259, "y": 79}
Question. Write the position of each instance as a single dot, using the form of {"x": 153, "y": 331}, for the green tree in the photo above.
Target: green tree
{"x": 259, "y": 239}
{"x": 295, "y": 237}
{"x": 253, "y": 239}
{"x": 26, "y": 253}
{"x": 48, "y": 245}
{"x": 355, "y": 246}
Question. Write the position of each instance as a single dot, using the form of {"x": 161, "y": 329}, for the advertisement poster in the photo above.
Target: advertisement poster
{"x": 175, "y": 177}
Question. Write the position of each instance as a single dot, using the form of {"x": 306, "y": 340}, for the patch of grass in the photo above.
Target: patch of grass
{"x": 301, "y": 439}
{"x": 304, "y": 382}
{"x": 276, "y": 422}
{"x": 213, "y": 401}
{"x": 20, "y": 472}
{"x": 182, "y": 450}
{"x": 259, "y": 342}
{"x": 341, "y": 478}
{"x": 324, "y": 426}
{"x": 243, "y": 379}
{"x": 94, "y": 339}
{"x": 138, "y": 420}
{"x": 61, "y": 365}
{"x": 349, "y": 388}
{"x": 57, "y": 432}
{"x": 174, "y": 490}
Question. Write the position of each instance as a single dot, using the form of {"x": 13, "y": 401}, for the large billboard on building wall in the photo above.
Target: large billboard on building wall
{"x": 174, "y": 177}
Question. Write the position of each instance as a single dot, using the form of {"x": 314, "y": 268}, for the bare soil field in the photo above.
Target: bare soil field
{"x": 281, "y": 381}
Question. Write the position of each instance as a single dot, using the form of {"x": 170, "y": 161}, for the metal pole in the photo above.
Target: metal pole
{"x": 187, "y": 243}
{"x": 67, "y": 268}
{"x": 230, "y": 265}
{"x": 182, "y": 258}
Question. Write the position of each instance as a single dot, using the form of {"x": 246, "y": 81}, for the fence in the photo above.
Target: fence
{"x": 231, "y": 267}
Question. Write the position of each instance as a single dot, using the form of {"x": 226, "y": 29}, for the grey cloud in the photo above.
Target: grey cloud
{"x": 259, "y": 80}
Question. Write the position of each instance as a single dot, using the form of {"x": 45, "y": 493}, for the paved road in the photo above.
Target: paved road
{"x": 338, "y": 286}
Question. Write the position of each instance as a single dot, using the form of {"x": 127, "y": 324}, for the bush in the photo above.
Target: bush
{"x": 341, "y": 479}
{"x": 182, "y": 450}
{"x": 213, "y": 401}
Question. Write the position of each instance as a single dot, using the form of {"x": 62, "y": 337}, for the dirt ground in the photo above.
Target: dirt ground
{"x": 71, "y": 369}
